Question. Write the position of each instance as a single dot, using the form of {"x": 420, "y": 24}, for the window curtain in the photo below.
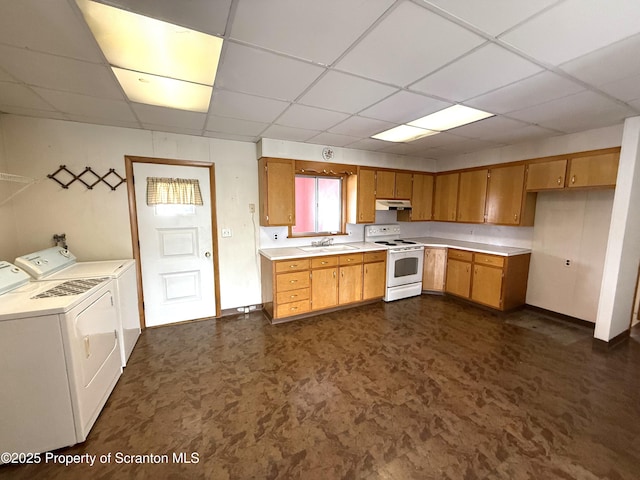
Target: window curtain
{"x": 181, "y": 191}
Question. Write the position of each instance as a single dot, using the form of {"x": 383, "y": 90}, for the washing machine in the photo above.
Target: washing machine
{"x": 60, "y": 358}
{"x": 57, "y": 263}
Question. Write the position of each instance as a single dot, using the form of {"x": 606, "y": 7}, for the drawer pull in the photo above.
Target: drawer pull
{"x": 573, "y": 179}
{"x": 293, "y": 281}
{"x": 323, "y": 263}
{"x": 293, "y": 308}
{"x": 559, "y": 180}
{"x": 293, "y": 266}
{"x": 293, "y": 296}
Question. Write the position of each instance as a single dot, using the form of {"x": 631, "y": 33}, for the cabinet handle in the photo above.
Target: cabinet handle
{"x": 515, "y": 217}
{"x": 334, "y": 274}
{"x": 468, "y": 267}
{"x": 293, "y": 266}
{"x": 293, "y": 296}
{"x": 293, "y": 281}
{"x": 342, "y": 274}
{"x": 559, "y": 180}
{"x": 293, "y": 308}
{"x": 323, "y": 263}
{"x": 573, "y": 179}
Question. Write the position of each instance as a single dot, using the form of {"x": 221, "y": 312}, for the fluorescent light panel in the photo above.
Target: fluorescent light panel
{"x": 403, "y": 133}
{"x": 450, "y": 117}
{"x": 136, "y": 43}
{"x": 437, "y": 122}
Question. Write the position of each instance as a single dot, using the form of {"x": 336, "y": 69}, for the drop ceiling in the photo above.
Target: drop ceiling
{"x": 335, "y": 72}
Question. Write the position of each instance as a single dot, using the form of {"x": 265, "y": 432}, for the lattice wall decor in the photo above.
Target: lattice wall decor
{"x": 112, "y": 179}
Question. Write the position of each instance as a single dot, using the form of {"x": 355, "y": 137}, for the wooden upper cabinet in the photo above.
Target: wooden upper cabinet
{"x": 506, "y": 197}
{"x": 472, "y": 196}
{"x": 546, "y": 175}
{"x": 361, "y": 196}
{"x": 385, "y": 184}
{"x": 445, "y": 201}
{"x": 403, "y": 186}
{"x": 598, "y": 170}
{"x": 277, "y": 192}
{"x": 421, "y": 200}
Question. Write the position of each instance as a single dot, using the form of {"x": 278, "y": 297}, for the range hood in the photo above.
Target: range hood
{"x": 393, "y": 205}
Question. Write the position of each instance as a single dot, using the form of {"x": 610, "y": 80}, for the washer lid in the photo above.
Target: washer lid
{"x": 11, "y": 277}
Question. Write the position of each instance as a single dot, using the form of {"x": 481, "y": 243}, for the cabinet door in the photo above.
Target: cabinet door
{"x": 366, "y": 196}
{"x": 504, "y": 195}
{"x": 472, "y": 196}
{"x": 277, "y": 195}
{"x": 422, "y": 197}
{"x": 546, "y": 175}
{"x": 435, "y": 262}
{"x": 593, "y": 171}
{"x": 446, "y": 197}
{"x": 350, "y": 284}
{"x": 403, "y": 186}
{"x": 487, "y": 285}
{"x": 385, "y": 184}
{"x": 324, "y": 288}
{"x": 458, "y": 278}
{"x": 374, "y": 279}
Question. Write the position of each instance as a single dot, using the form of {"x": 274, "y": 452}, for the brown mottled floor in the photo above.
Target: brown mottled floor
{"x": 421, "y": 388}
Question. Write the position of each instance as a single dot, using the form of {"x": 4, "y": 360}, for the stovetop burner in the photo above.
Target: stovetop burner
{"x": 396, "y": 242}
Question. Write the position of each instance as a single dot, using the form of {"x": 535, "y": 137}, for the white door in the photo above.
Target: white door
{"x": 176, "y": 250}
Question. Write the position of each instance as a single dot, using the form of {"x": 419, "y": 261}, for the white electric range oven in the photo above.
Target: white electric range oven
{"x": 405, "y": 260}
{"x": 60, "y": 358}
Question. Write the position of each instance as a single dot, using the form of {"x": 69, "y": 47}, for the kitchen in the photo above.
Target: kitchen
{"x": 37, "y": 138}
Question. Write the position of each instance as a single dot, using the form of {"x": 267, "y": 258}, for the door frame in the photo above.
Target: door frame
{"x": 133, "y": 219}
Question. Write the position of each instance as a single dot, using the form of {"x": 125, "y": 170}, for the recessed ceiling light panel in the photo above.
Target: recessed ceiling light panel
{"x": 403, "y": 133}
{"x": 451, "y": 117}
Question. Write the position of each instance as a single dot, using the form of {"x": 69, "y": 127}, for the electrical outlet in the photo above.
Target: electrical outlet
{"x": 275, "y": 236}
{"x": 567, "y": 263}
{"x": 226, "y": 232}
{"x": 252, "y": 208}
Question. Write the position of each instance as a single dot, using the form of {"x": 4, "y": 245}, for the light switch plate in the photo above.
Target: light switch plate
{"x": 226, "y": 232}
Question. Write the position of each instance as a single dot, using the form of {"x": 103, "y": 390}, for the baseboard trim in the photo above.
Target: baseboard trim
{"x": 607, "y": 346}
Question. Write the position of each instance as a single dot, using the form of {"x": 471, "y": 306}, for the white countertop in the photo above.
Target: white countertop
{"x": 286, "y": 253}
{"x": 471, "y": 246}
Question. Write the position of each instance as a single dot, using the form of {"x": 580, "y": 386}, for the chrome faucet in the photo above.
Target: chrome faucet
{"x": 323, "y": 242}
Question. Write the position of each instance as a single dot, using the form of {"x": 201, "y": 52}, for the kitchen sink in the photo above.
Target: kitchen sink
{"x": 328, "y": 248}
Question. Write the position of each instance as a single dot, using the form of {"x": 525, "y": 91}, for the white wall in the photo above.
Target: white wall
{"x": 97, "y": 221}
{"x": 623, "y": 246}
{"x": 569, "y": 226}
{"x": 7, "y": 218}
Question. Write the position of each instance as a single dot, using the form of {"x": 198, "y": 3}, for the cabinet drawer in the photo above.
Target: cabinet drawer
{"x": 292, "y": 296}
{"x": 484, "y": 259}
{"x": 460, "y": 255}
{"x": 292, "y": 281}
{"x": 293, "y": 308}
{"x": 378, "y": 256}
{"x": 292, "y": 265}
{"x": 350, "y": 259}
{"x": 321, "y": 262}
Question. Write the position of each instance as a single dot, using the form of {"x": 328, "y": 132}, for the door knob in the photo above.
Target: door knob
{"x": 207, "y": 254}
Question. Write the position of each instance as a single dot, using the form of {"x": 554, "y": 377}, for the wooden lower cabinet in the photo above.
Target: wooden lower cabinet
{"x": 434, "y": 271}
{"x": 374, "y": 275}
{"x": 303, "y": 285}
{"x": 496, "y": 281}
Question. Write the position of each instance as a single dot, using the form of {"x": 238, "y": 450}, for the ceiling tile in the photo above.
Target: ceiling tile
{"x": 487, "y": 127}
{"x": 485, "y": 69}
{"x": 582, "y": 111}
{"x": 575, "y": 27}
{"x": 403, "y": 107}
{"x": 361, "y": 127}
{"x": 345, "y": 93}
{"x": 316, "y": 31}
{"x": 437, "y": 141}
{"x": 407, "y": 45}
{"x": 617, "y": 61}
{"x": 151, "y": 114}
{"x": 5, "y": 77}
{"x": 288, "y": 133}
{"x": 232, "y": 125}
{"x": 51, "y": 27}
{"x": 483, "y": 15}
{"x": 311, "y": 118}
{"x": 625, "y": 89}
{"x": 105, "y": 121}
{"x": 468, "y": 146}
{"x": 519, "y": 135}
{"x": 59, "y": 73}
{"x": 231, "y": 136}
{"x": 369, "y": 144}
{"x": 172, "y": 129}
{"x": 245, "y": 107}
{"x": 201, "y": 15}
{"x": 32, "y": 112}
{"x": 257, "y": 72}
{"x": 531, "y": 91}
{"x": 21, "y": 96}
{"x": 333, "y": 139}
{"x": 83, "y": 105}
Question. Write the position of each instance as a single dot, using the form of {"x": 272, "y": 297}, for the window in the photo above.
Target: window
{"x": 318, "y": 205}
